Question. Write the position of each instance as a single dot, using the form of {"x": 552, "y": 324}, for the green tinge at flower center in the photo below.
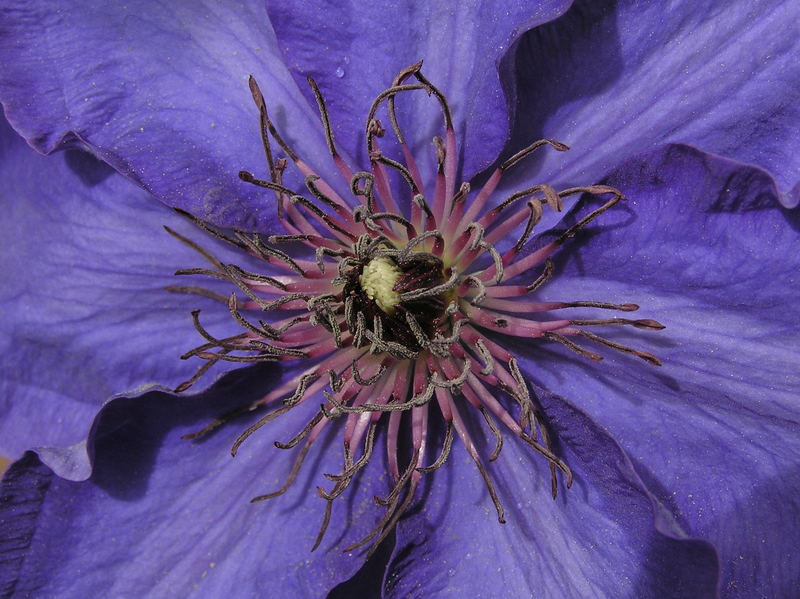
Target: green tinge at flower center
{"x": 378, "y": 280}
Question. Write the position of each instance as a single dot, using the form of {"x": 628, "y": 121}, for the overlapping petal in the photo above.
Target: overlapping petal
{"x": 705, "y": 249}
{"x": 86, "y": 312}
{"x": 607, "y": 537}
{"x": 461, "y": 45}
{"x": 150, "y": 524}
{"x": 614, "y": 78}
{"x": 156, "y": 89}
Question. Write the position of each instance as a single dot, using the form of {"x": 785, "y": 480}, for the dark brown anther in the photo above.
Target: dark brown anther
{"x": 323, "y": 113}
{"x": 441, "y": 154}
{"x": 525, "y": 152}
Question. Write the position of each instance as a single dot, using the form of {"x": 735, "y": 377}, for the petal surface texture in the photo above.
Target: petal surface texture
{"x": 705, "y": 249}
{"x": 86, "y": 313}
{"x": 613, "y": 78}
{"x": 461, "y": 45}
{"x": 159, "y": 91}
{"x": 605, "y": 537}
{"x": 165, "y": 517}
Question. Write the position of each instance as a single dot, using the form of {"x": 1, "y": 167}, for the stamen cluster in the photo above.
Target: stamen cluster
{"x": 399, "y": 302}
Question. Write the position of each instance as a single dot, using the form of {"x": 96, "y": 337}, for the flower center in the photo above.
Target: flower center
{"x": 378, "y": 280}
{"x": 395, "y": 299}
{"x": 407, "y": 304}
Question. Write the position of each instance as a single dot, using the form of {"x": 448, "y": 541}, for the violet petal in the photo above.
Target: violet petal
{"x": 86, "y": 312}
{"x": 461, "y": 45}
{"x": 706, "y": 249}
{"x": 612, "y": 79}
{"x": 149, "y": 523}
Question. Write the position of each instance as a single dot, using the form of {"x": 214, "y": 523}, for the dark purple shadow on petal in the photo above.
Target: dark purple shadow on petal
{"x": 727, "y": 245}
{"x": 694, "y": 557}
{"x": 89, "y": 169}
{"x": 793, "y": 197}
{"x": 25, "y": 485}
{"x": 132, "y": 439}
{"x": 551, "y": 79}
{"x": 746, "y": 188}
{"x": 434, "y": 542}
{"x": 127, "y": 440}
{"x": 368, "y": 581}
{"x": 372, "y": 579}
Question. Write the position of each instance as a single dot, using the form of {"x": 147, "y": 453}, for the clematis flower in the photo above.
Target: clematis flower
{"x": 660, "y": 459}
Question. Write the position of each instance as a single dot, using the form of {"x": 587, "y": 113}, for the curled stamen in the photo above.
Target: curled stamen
{"x": 302, "y": 434}
{"x": 298, "y": 463}
{"x": 300, "y": 390}
{"x": 406, "y": 174}
{"x": 416, "y": 401}
{"x": 498, "y": 261}
{"x": 595, "y": 190}
{"x": 257, "y": 425}
{"x": 486, "y": 356}
{"x": 495, "y": 431}
{"x": 348, "y": 473}
{"x": 535, "y": 209}
{"x": 530, "y": 149}
{"x": 423, "y": 339}
{"x": 403, "y": 256}
{"x": 446, "y": 445}
{"x": 368, "y": 382}
{"x": 549, "y": 269}
{"x": 387, "y": 93}
{"x": 431, "y": 291}
{"x": 390, "y": 216}
{"x": 453, "y": 384}
{"x": 317, "y": 193}
{"x": 365, "y": 191}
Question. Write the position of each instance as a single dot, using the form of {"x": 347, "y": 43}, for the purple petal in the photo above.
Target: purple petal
{"x": 606, "y": 537}
{"x": 614, "y": 79}
{"x": 166, "y": 517}
{"x": 366, "y": 45}
{"x": 705, "y": 249}
{"x": 86, "y": 312}
{"x": 159, "y": 92}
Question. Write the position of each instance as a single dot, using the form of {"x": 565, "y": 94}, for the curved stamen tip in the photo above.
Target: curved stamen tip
{"x": 649, "y": 358}
{"x": 258, "y": 97}
{"x": 649, "y": 324}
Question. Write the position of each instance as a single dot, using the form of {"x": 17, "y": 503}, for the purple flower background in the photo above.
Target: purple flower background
{"x": 686, "y": 476}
